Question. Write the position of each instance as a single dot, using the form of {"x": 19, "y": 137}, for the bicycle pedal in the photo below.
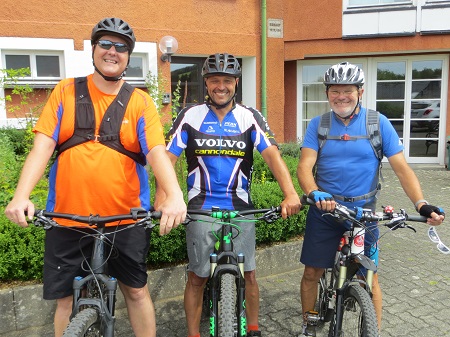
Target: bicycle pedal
{"x": 312, "y": 317}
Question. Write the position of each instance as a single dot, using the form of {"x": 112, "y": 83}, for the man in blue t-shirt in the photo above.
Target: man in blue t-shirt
{"x": 218, "y": 138}
{"x": 347, "y": 168}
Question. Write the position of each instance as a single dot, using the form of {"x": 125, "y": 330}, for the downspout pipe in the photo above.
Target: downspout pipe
{"x": 264, "y": 58}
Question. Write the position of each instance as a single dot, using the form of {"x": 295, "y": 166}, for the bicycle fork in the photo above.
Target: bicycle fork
{"x": 215, "y": 295}
{"x": 340, "y": 296}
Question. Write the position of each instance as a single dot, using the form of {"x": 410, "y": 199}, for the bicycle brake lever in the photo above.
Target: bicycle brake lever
{"x": 411, "y": 227}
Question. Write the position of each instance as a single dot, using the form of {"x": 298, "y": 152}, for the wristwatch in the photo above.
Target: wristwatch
{"x": 420, "y": 202}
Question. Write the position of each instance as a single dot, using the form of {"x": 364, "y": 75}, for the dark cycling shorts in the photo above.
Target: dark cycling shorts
{"x": 322, "y": 237}
{"x": 66, "y": 249}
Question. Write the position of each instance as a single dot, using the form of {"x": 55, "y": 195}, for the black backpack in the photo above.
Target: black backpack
{"x": 109, "y": 132}
{"x": 374, "y": 136}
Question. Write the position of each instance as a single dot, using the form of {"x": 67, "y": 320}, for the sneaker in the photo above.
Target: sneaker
{"x": 309, "y": 330}
{"x": 310, "y": 323}
{"x": 254, "y": 333}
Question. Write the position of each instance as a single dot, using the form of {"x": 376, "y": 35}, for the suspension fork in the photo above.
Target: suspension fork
{"x": 340, "y": 292}
{"x": 213, "y": 298}
{"x": 240, "y": 310}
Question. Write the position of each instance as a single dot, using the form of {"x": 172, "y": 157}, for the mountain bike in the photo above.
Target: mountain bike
{"x": 225, "y": 288}
{"x": 94, "y": 296}
{"x": 345, "y": 300}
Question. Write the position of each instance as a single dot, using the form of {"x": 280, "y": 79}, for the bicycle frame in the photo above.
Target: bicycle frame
{"x": 332, "y": 295}
{"x": 98, "y": 289}
{"x": 225, "y": 261}
{"x": 94, "y": 283}
{"x": 349, "y": 262}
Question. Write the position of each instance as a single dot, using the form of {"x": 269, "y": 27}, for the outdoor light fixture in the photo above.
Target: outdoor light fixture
{"x": 168, "y": 46}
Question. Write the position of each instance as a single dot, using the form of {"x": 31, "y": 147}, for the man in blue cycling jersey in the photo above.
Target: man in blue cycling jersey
{"x": 218, "y": 137}
{"x": 347, "y": 169}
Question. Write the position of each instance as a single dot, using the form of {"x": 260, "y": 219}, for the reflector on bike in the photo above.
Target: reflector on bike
{"x": 433, "y": 235}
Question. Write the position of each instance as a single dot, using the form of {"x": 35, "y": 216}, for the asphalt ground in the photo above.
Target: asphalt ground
{"x": 414, "y": 277}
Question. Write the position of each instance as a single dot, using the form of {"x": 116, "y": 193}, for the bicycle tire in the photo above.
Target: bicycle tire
{"x": 227, "y": 306}
{"x": 359, "y": 317}
{"x": 86, "y": 323}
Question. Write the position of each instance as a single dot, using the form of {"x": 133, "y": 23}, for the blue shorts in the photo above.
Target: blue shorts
{"x": 322, "y": 237}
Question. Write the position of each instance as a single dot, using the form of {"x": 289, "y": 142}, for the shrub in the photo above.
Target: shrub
{"x": 21, "y": 250}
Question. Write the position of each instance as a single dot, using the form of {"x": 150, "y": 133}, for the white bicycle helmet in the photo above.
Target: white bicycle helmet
{"x": 344, "y": 73}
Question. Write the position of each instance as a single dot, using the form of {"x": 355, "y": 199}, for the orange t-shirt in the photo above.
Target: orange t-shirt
{"x": 92, "y": 178}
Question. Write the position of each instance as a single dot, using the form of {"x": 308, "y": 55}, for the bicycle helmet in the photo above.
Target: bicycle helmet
{"x": 221, "y": 64}
{"x": 344, "y": 73}
{"x": 114, "y": 26}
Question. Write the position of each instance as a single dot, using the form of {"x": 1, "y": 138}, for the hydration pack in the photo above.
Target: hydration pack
{"x": 109, "y": 132}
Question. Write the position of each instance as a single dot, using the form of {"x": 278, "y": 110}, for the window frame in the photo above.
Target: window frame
{"x": 34, "y": 79}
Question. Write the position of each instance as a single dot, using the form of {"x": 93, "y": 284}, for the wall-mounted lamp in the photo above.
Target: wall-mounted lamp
{"x": 168, "y": 46}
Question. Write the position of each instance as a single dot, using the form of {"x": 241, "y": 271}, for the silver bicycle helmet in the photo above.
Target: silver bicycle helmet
{"x": 344, "y": 73}
{"x": 114, "y": 26}
{"x": 221, "y": 64}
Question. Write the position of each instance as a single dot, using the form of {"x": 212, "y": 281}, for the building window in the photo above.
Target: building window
{"x": 42, "y": 66}
{"x": 409, "y": 91}
{"x": 136, "y": 67}
{"x": 352, "y": 3}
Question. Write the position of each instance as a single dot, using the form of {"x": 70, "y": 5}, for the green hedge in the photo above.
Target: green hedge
{"x": 21, "y": 250}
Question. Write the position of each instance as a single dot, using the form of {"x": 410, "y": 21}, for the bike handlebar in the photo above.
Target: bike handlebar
{"x": 269, "y": 214}
{"x": 96, "y": 220}
{"x": 360, "y": 214}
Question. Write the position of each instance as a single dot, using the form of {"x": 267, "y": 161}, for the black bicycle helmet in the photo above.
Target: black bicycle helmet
{"x": 114, "y": 26}
{"x": 344, "y": 73}
{"x": 221, "y": 64}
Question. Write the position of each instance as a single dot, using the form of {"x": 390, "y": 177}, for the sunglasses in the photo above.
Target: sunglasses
{"x": 432, "y": 234}
{"x": 106, "y": 44}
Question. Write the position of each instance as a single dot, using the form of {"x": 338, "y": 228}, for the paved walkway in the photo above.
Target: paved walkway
{"x": 414, "y": 276}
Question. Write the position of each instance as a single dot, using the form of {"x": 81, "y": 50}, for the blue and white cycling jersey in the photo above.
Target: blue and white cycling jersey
{"x": 219, "y": 154}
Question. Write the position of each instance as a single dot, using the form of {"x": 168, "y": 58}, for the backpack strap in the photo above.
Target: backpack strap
{"x": 84, "y": 117}
{"x": 109, "y": 133}
{"x": 373, "y": 131}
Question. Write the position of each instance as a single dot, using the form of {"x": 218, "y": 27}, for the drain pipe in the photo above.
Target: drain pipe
{"x": 264, "y": 58}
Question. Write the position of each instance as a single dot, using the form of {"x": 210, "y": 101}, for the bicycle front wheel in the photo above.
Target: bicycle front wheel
{"x": 359, "y": 318}
{"x": 85, "y": 323}
{"x": 227, "y": 306}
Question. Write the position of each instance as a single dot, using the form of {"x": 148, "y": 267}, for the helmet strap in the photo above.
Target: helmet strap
{"x": 110, "y": 78}
{"x": 351, "y": 115}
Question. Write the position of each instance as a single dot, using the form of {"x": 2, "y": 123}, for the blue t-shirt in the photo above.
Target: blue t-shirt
{"x": 349, "y": 167}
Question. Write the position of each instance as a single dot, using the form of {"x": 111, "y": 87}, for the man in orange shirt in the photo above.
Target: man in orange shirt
{"x": 95, "y": 178}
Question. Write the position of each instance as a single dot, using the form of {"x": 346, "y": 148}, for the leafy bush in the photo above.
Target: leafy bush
{"x": 21, "y": 250}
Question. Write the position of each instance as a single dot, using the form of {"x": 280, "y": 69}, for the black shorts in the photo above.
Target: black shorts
{"x": 66, "y": 249}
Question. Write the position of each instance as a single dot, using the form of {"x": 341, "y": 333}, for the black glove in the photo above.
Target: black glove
{"x": 426, "y": 210}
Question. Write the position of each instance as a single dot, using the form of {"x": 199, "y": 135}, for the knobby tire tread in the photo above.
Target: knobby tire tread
{"x": 81, "y": 323}
{"x": 367, "y": 324}
{"x": 227, "y": 306}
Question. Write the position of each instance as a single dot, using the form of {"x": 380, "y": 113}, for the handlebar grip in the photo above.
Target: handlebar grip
{"x": 416, "y": 218}
{"x": 156, "y": 215}
{"x": 306, "y": 200}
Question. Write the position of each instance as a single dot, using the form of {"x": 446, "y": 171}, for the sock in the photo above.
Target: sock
{"x": 252, "y": 327}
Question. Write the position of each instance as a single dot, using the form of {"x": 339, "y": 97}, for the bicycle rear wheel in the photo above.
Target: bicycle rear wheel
{"x": 85, "y": 323}
{"x": 227, "y": 306}
{"x": 359, "y": 318}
